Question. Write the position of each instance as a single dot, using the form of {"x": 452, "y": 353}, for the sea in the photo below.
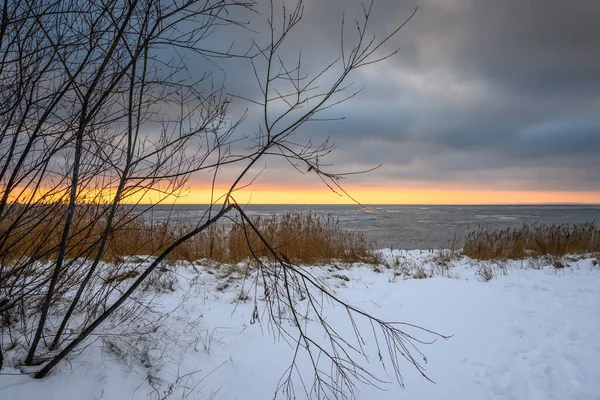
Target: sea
{"x": 414, "y": 226}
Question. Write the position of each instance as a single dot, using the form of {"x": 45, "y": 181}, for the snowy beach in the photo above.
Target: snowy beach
{"x": 529, "y": 332}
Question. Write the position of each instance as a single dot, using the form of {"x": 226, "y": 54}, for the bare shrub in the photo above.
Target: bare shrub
{"x": 98, "y": 108}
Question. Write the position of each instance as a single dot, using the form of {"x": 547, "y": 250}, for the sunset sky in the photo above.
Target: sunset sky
{"x": 486, "y": 102}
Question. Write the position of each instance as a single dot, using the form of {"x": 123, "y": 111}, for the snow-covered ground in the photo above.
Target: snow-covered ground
{"x": 530, "y": 332}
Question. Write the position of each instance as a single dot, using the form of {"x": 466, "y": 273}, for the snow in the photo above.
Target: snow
{"x": 531, "y": 332}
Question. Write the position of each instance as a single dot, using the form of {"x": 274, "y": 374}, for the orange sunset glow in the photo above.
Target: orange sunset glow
{"x": 391, "y": 196}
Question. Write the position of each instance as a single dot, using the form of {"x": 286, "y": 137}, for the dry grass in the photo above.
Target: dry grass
{"x": 301, "y": 237}
{"x": 36, "y": 232}
{"x": 485, "y": 273}
{"x": 533, "y": 240}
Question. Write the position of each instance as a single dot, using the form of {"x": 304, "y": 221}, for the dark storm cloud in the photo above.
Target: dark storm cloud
{"x": 502, "y": 94}
{"x": 533, "y": 45}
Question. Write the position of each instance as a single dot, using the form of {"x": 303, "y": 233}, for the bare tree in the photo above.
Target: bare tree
{"x": 82, "y": 82}
{"x": 99, "y": 107}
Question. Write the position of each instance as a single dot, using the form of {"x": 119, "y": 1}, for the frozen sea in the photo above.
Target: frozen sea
{"x": 416, "y": 226}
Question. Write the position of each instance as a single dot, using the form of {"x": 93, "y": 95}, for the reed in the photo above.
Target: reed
{"x": 302, "y": 238}
{"x": 533, "y": 240}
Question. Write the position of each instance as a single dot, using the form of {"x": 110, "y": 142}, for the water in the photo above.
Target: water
{"x": 413, "y": 226}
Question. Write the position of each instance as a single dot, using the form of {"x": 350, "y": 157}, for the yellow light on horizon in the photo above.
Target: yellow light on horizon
{"x": 410, "y": 196}
{"x": 364, "y": 196}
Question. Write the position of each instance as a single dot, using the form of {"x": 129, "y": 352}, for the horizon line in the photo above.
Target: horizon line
{"x": 383, "y": 204}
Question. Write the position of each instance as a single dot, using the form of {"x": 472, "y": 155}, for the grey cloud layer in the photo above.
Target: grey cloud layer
{"x": 500, "y": 94}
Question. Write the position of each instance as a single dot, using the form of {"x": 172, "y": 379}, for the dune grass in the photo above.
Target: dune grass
{"x": 533, "y": 241}
{"x": 302, "y": 238}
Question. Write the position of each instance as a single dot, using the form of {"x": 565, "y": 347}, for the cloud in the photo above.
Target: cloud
{"x": 487, "y": 94}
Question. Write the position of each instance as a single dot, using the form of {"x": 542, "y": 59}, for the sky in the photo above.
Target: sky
{"x": 486, "y": 102}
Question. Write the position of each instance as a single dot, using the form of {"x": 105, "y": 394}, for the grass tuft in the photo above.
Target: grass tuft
{"x": 302, "y": 238}
{"x": 485, "y": 273}
{"x": 533, "y": 241}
